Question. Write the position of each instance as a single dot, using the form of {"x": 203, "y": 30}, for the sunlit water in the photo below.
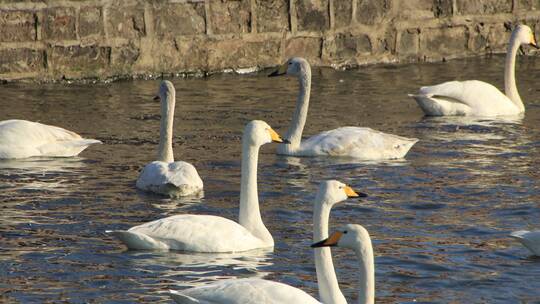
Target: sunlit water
{"x": 439, "y": 219}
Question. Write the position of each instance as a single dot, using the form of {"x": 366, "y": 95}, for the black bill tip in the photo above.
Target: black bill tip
{"x": 362, "y": 194}
{"x": 275, "y": 73}
{"x": 285, "y": 141}
{"x": 321, "y": 244}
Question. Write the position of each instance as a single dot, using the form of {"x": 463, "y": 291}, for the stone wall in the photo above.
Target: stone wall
{"x": 101, "y": 39}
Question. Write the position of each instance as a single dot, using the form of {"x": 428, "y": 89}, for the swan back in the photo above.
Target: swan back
{"x": 22, "y": 138}
{"x": 243, "y": 291}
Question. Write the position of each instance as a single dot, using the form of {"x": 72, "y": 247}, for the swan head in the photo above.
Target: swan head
{"x": 351, "y": 236}
{"x": 258, "y": 132}
{"x": 166, "y": 90}
{"x": 332, "y": 192}
{"x": 524, "y": 35}
{"x": 295, "y": 66}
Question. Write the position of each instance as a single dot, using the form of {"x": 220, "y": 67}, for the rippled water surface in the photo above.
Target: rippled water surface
{"x": 439, "y": 219}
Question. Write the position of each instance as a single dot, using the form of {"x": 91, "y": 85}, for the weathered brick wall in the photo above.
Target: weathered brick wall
{"x": 55, "y": 39}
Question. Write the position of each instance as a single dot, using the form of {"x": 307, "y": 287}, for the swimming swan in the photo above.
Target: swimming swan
{"x": 329, "y": 194}
{"x": 478, "y": 98}
{"x": 208, "y": 233}
{"x": 362, "y": 143}
{"x": 165, "y": 176}
{"x": 244, "y": 291}
{"x": 23, "y": 139}
{"x": 529, "y": 239}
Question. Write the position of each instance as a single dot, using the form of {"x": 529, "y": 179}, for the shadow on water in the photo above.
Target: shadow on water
{"x": 439, "y": 219}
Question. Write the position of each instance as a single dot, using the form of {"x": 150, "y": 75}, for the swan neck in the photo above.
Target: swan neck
{"x": 329, "y": 291}
{"x": 510, "y": 88}
{"x": 366, "y": 291}
{"x": 294, "y": 134}
{"x": 249, "y": 214}
{"x": 165, "y": 152}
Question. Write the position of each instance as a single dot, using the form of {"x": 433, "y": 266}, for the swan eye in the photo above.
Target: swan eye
{"x": 290, "y": 63}
{"x": 345, "y": 232}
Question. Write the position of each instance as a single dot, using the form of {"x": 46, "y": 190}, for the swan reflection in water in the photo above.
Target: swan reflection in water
{"x": 190, "y": 269}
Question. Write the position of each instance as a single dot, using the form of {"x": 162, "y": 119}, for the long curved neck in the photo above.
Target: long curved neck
{"x": 250, "y": 215}
{"x": 165, "y": 153}
{"x": 329, "y": 291}
{"x": 366, "y": 291}
{"x": 294, "y": 134}
{"x": 510, "y": 88}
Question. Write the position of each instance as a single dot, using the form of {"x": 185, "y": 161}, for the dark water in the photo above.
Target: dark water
{"x": 439, "y": 219}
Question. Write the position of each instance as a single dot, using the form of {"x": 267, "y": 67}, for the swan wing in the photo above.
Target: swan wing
{"x": 471, "y": 97}
{"x": 175, "y": 179}
{"x": 363, "y": 143}
{"x": 22, "y": 138}
{"x": 243, "y": 291}
{"x": 188, "y": 232}
{"x": 529, "y": 239}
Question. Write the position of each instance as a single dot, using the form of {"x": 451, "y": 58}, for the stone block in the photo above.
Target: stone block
{"x": 416, "y": 9}
{"x": 59, "y": 24}
{"x": 479, "y": 38}
{"x": 183, "y": 54}
{"x": 90, "y": 22}
{"x": 479, "y": 7}
{"x": 372, "y": 11}
{"x": 443, "y": 8}
{"x": 237, "y": 53}
{"x": 345, "y": 46}
{"x": 498, "y": 37}
{"x": 124, "y": 57}
{"x": 385, "y": 43}
{"x": 125, "y": 22}
{"x": 180, "y": 19}
{"x": 77, "y": 61}
{"x": 312, "y": 15}
{"x": 272, "y": 15}
{"x": 230, "y": 16}
{"x": 439, "y": 43}
{"x": 17, "y": 26}
{"x": 528, "y": 5}
{"x": 408, "y": 43}
{"x": 307, "y": 47}
{"x": 21, "y": 61}
{"x": 342, "y": 13}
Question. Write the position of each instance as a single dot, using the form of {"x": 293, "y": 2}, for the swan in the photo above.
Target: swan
{"x": 165, "y": 176}
{"x": 529, "y": 239}
{"x": 357, "y": 238}
{"x": 330, "y": 193}
{"x": 244, "y": 291}
{"x": 362, "y": 143}
{"x": 24, "y": 139}
{"x": 208, "y": 233}
{"x": 478, "y": 98}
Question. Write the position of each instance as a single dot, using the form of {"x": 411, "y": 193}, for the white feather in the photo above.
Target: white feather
{"x": 23, "y": 139}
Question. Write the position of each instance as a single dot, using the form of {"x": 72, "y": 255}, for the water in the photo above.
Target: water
{"x": 439, "y": 220}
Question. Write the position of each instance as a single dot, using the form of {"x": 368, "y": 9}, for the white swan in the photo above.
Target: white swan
{"x": 478, "y": 98}
{"x": 362, "y": 143}
{"x": 244, "y": 291}
{"x": 357, "y": 238}
{"x": 529, "y": 239}
{"x": 208, "y": 233}
{"x": 165, "y": 176}
{"x": 23, "y": 139}
{"x": 330, "y": 193}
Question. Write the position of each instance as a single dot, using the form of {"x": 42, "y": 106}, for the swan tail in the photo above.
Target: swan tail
{"x": 66, "y": 148}
{"x": 519, "y": 234}
{"x": 138, "y": 241}
{"x": 404, "y": 147}
{"x": 181, "y": 298}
